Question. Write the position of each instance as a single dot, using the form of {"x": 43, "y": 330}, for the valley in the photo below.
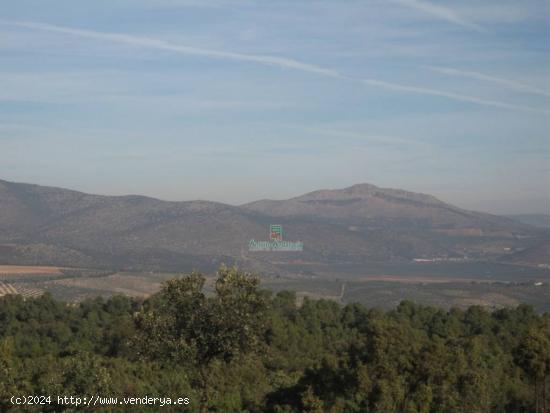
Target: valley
{"x": 384, "y": 245}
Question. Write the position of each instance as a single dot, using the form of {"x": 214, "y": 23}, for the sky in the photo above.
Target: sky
{"x": 238, "y": 100}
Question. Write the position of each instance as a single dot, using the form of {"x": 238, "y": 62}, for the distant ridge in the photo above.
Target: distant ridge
{"x": 364, "y": 202}
{"x": 536, "y": 220}
{"x": 351, "y": 226}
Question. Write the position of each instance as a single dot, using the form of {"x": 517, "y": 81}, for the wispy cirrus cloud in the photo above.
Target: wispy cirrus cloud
{"x": 283, "y": 62}
{"x": 188, "y": 50}
{"x": 450, "y": 95}
{"x": 512, "y": 84}
{"x": 441, "y": 12}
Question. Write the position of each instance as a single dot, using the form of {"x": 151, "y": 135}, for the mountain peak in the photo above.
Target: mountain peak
{"x": 368, "y": 191}
{"x": 359, "y": 190}
{"x": 63, "y": 227}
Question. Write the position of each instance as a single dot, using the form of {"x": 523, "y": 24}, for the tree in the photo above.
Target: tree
{"x": 311, "y": 403}
{"x": 533, "y": 356}
{"x": 189, "y": 327}
{"x": 8, "y": 385}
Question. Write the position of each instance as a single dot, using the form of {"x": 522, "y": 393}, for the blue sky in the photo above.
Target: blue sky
{"x": 239, "y": 100}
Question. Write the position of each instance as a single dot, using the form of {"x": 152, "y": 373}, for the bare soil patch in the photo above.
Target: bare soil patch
{"x": 23, "y": 269}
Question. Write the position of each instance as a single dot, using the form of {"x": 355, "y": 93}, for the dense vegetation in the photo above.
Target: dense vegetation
{"x": 242, "y": 349}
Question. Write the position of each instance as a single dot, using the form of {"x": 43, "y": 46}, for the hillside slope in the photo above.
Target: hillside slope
{"x": 363, "y": 223}
{"x": 369, "y": 204}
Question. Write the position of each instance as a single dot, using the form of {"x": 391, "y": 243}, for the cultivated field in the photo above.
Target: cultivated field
{"x": 119, "y": 283}
{"x": 385, "y": 290}
{"x": 24, "y": 269}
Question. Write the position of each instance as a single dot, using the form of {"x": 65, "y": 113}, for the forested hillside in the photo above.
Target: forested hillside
{"x": 242, "y": 349}
{"x": 351, "y": 227}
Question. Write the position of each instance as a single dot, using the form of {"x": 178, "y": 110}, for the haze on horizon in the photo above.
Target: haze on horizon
{"x": 234, "y": 101}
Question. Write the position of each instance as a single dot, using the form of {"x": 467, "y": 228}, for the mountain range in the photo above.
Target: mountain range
{"x": 349, "y": 227}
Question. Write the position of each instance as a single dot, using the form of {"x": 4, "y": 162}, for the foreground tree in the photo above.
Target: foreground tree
{"x": 186, "y": 326}
{"x": 209, "y": 341}
{"x": 533, "y": 356}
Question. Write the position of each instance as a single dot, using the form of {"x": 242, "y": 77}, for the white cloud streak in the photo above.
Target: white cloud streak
{"x": 441, "y": 12}
{"x": 189, "y": 50}
{"x": 262, "y": 59}
{"x": 512, "y": 84}
{"x": 450, "y": 95}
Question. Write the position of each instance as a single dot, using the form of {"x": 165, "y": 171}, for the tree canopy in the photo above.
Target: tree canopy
{"x": 230, "y": 346}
